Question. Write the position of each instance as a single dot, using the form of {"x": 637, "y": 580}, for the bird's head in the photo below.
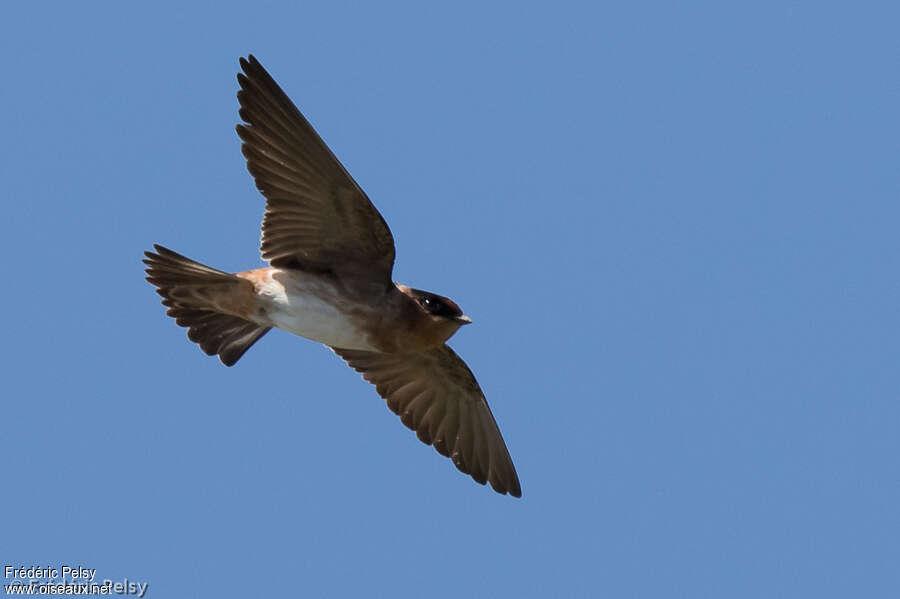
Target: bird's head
{"x": 441, "y": 311}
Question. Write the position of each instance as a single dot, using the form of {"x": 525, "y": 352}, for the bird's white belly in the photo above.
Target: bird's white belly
{"x": 311, "y": 308}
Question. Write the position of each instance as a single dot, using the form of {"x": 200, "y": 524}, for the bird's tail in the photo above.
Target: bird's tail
{"x": 206, "y": 301}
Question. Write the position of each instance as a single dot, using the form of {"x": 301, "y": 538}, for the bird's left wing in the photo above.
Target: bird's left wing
{"x": 436, "y": 395}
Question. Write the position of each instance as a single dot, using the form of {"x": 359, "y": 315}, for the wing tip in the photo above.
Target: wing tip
{"x": 249, "y": 62}
{"x": 512, "y": 487}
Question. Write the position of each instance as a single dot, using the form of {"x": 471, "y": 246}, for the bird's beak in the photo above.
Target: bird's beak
{"x": 463, "y": 320}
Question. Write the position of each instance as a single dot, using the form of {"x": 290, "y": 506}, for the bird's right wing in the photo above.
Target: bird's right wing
{"x": 317, "y": 217}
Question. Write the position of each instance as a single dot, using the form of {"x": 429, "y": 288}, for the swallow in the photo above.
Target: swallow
{"x": 329, "y": 279}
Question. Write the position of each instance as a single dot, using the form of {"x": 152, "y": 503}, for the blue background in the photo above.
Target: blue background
{"x": 675, "y": 227}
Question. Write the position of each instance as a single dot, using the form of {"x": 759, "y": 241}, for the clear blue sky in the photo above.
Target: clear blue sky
{"x": 676, "y": 230}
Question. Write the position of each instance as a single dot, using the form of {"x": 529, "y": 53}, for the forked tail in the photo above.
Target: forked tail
{"x": 204, "y": 300}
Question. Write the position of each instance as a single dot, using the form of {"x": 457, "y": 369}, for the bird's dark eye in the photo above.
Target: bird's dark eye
{"x": 432, "y": 305}
{"x": 435, "y": 304}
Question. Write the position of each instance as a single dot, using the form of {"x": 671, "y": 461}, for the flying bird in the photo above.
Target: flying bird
{"x": 331, "y": 257}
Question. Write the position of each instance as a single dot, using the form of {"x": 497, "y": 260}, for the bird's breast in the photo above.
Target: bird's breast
{"x": 314, "y": 307}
